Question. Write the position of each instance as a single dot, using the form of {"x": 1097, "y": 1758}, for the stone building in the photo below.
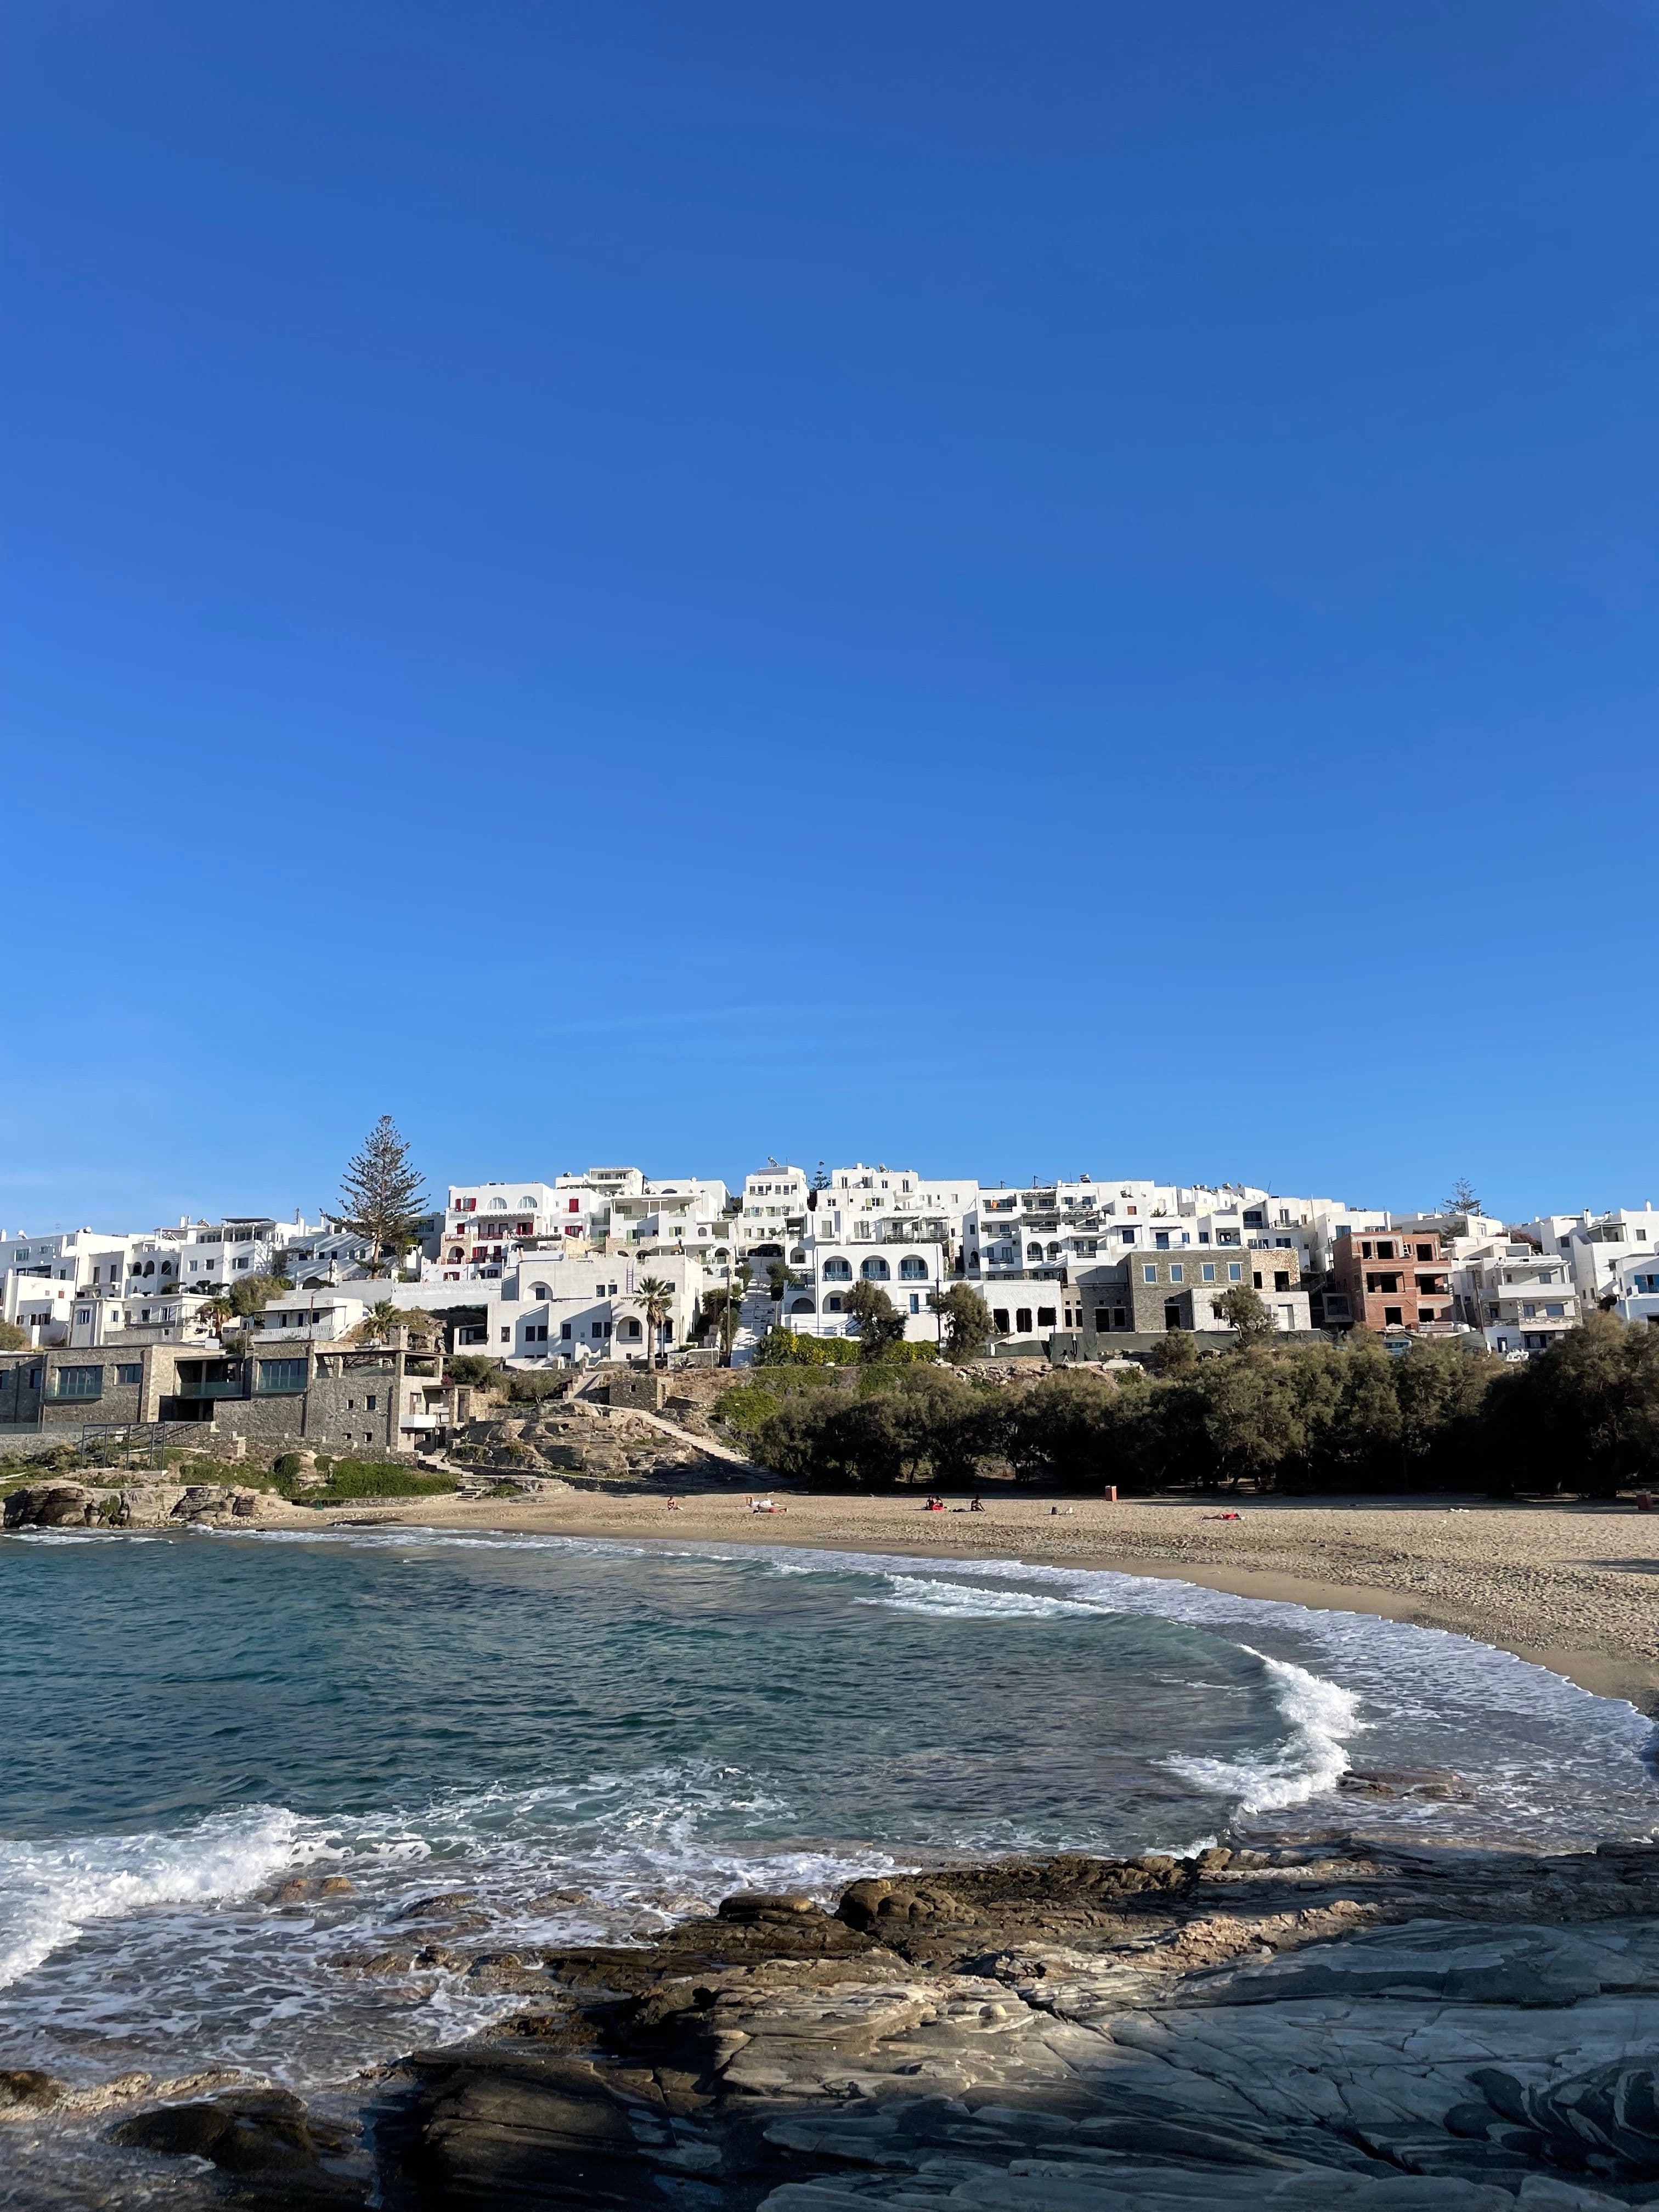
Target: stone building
{"x": 343, "y": 1400}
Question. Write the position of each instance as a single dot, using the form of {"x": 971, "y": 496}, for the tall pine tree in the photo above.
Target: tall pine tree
{"x": 381, "y": 1193}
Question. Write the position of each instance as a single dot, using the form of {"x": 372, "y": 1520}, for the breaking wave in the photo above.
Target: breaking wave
{"x": 51, "y": 1893}
{"x": 1322, "y": 1714}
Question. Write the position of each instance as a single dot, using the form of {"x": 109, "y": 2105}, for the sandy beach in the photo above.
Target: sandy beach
{"x": 1575, "y": 1589}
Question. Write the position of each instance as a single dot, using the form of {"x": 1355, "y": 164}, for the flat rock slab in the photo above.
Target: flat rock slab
{"x": 1339, "y": 2025}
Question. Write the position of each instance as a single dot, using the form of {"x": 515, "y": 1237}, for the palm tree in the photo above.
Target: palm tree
{"x": 655, "y": 1299}
{"x": 382, "y": 1319}
{"x": 215, "y": 1313}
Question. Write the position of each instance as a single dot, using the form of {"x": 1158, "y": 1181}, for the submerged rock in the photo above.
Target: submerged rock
{"x": 276, "y": 2152}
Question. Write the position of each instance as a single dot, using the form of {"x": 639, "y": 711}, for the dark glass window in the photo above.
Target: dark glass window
{"x": 78, "y": 1382}
{"x": 281, "y": 1376}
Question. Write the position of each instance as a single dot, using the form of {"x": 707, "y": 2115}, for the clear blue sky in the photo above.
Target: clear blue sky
{"x": 1014, "y": 588}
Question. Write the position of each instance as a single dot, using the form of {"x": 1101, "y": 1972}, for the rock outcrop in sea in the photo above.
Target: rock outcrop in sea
{"x": 63, "y": 1504}
{"x": 1333, "y": 2024}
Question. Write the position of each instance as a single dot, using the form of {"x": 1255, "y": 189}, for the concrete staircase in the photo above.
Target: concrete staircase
{"x": 754, "y": 1317}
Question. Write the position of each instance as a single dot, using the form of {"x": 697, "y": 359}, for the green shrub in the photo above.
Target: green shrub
{"x": 779, "y": 1348}
{"x": 351, "y": 1479}
{"x": 531, "y": 1390}
{"x": 286, "y": 1466}
{"x": 473, "y": 1369}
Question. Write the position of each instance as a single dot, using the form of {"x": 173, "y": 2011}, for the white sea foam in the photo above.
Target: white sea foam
{"x": 1322, "y": 1715}
{"x": 49, "y": 1893}
{"x": 943, "y": 1600}
{"x": 181, "y": 1945}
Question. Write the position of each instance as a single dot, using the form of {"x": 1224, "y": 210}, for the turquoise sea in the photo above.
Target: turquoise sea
{"x": 595, "y": 1737}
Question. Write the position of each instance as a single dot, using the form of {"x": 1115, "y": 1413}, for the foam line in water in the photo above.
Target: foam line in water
{"x": 51, "y": 1892}
{"x": 963, "y": 1602}
{"x": 1321, "y": 1714}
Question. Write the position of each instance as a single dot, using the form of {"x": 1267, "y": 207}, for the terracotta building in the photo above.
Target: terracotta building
{"x": 1394, "y": 1280}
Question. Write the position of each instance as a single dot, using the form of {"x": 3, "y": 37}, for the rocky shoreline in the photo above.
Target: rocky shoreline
{"x": 1336, "y": 2022}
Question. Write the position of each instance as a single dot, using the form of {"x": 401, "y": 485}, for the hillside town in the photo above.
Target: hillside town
{"x": 347, "y": 1328}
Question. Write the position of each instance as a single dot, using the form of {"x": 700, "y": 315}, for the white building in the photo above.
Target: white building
{"x": 822, "y": 1272}
{"x": 1596, "y": 1245}
{"x": 1636, "y": 1290}
{"x": 861, "y": 1205}
{"x": 772, "y": 1210}
{"x": 1520, "y": 1299}
{"x": 573, "y": 1305}
{"x": 482, "y": 1221}
{"x": 41, "y": 1277}
{"x": 688, "y": 1214}
{"x": 1058, "y": 1225}
{"x": 211, "y": 1255}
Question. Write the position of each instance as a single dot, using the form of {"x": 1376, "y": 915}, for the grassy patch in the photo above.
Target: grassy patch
{"x": 352, "y": 1478}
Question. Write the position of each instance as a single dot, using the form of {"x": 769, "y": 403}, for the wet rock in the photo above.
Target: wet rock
{"x": 26, "y": 2091}
{"x": 1434, "y": 1782}
{"x": 276, "y": 2153}
{"x": 1331, "y": 2025}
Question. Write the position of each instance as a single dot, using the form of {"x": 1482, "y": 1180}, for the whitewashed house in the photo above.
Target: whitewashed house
{"x": 1520, "y": 1299}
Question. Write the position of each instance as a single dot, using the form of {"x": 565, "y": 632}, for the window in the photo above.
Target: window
{"x": 1393, "y": 1317}
{"x": 1426, "y": 1251}
{"x": 800, "y": 1305}
{"x": 1281, "y": 1278}
{"x": 1033, "y": 1252}
{"x": 507, "y": 1336}
{"x": 832, "y": 1305}
{"x": 914, "y": 1270}
{"x": 278, "y": 1379}
{"x": 1045, "y": 1317}
{"x": 564, "y": 1329}
{"x": 1161, "y": 1239}
{"x": 1177, "y": 1272}
{"x": 498, "y": 1206}
{"x": 1022, "y": 1320}
{"x": 77, "y": 1383}
{"x": 1203, "y": 1235}
{"x": 1253, "y": 1217}
{"x": 1207, "y": 1271}
{"x": 1149, "y": 1274}
{"x": 1235, "y": 1272}
{"x": 837, "y": 1271}
{"x": 129, "y": 1372}
{"x": 240, "y": 1263}
{"x": 371, "y": 1403}
{"x": 915, "y": 1302}
{"x": 1000, "y": 1321}
{"x": 1127, "y": 1235}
